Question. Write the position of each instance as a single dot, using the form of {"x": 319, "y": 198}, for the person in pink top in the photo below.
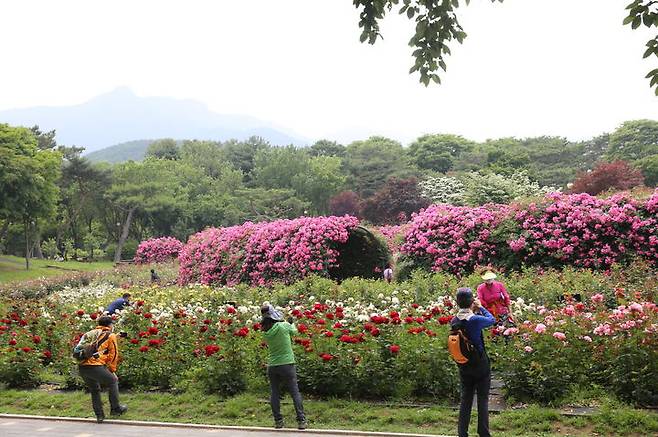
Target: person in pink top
{"x": 494, "y": 297}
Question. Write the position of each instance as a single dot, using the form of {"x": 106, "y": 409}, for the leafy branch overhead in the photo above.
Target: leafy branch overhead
{"x": 437, "y": 25}
{"x": 643, "y": 12}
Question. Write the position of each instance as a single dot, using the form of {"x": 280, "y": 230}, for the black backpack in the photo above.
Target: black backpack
{"x": 84, "y": 352}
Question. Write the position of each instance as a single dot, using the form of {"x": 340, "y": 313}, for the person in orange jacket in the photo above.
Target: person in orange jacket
{"x": 100, "y": 369}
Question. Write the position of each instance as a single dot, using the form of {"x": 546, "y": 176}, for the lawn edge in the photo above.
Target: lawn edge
{"x": 223, "y": 427}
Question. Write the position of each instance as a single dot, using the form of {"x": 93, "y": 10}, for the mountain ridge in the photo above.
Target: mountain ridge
{"x": 120, "y": 116}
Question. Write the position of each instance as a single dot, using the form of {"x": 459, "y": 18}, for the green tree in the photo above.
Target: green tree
{"x": 208, "y": 155}
{"x": 327, "y": 148}
{"x": 634, "y": 140}
{"x": 165, "y": 148}
{"x": 277, "y": 167}
{"x": 242, "y": 154}
{"x": 321, "y": 180}
{"x": 438, "y": 152}
{"x": 370, "y": 163}
{"x": 28, "y": 180}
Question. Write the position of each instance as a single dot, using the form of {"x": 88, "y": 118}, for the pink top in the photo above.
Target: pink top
{"x": 494, "y": 297}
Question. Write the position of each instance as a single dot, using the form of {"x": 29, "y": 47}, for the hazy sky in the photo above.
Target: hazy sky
{"x": 528, "y": 67}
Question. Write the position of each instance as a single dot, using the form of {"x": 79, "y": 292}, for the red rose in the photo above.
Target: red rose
{"x": 153, "y": 330}
{"x": 12, "y": 342}
{"x": 302, "y": 328}
{"x": 230, "y": 310}
{"x": 211, "y": 349}
{"x": 394, "y": 314}
{"x": 256, "y": 326}
{"x": 144, "y": 349}
{"x": 47, "y": 354}
{"x": 320, "y": 322}
{"x": 204, "y": 328}
{"x": 444, "y": 320}
{"x": 140, "y": 303}
{"x": 134, "y": 341}
{"x": 154, "y": 342}
{"x": 80, "y": 312}
{"x": 414, "y": 305}
{"x": 329, "y": 316}
{"x": 374, "y": 332}
{"x": 93, "y": 316}
{"x": 26, "y": 349}
{"x": 328, "y": 334}
{"x": 394, "y": 348}
{"x": 36, "y": 339}
{"x": 207, "y": 321}
{"x": 326, "y": 357}
{"x": 338, "y": 325}
{"x": 148, "y": 315}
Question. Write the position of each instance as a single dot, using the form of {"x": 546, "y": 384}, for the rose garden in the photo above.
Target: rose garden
{"x": 580, "y": 270}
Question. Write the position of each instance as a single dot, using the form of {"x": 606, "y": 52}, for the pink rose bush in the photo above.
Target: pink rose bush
{"x": 158, "y": 250}
{"x": 584, "y": 344}
{"x": 577, "y": 229}
{"x": 453, "y": 238}
{"x": 586, "y": 231}
{"x": 263, "y": 253}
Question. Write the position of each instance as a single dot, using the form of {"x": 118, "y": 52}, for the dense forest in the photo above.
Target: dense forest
{"x": 54, "y": 202}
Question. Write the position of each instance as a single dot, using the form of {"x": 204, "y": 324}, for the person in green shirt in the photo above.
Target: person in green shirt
{"x": 281, "y": 364}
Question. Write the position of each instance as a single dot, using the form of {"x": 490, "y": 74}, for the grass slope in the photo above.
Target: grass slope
{"x": 253, "y": 410}
{"x": 12, "y": 268}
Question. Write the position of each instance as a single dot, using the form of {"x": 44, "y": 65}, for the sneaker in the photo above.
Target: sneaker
{"x": 278, "y": 424}
{"x": 301, "y": 424}
{"x": 118, "y": 412}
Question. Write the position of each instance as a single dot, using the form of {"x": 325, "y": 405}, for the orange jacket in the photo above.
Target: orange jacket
{"x": 108, "y": 350}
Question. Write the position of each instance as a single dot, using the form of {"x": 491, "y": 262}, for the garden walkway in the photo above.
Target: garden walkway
{"x": 13, "y": 426}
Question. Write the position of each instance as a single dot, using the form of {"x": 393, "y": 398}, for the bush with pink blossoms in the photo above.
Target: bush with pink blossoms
{"x": 586, "y": 231}
{"x": 454, "y": 238}
{"x": 280, "y": 251}
{"x": 158, "y": 250}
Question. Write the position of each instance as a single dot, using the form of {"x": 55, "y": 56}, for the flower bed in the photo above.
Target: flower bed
{"x": 359, "y": 339}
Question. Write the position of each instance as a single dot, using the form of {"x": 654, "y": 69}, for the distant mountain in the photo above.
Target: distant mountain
{"x": 129, "y": 151}
{"x": 120, "y": 116}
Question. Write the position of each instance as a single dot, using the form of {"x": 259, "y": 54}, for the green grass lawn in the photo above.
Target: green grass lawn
{"x": 253, "y": 410}
{"x": 12, "y": 268}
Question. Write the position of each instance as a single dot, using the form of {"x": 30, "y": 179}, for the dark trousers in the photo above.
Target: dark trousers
{"x": 285, "y": 376}
{"x": 479, "y": 382}
{"x": 95, "y": 377}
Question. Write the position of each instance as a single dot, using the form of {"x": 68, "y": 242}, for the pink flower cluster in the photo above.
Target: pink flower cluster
{"x": 261, "y": 253}
{"x": 576, "y": 229}
{"x": 454, "y": 238}
{"x": 392, "y": 234}
{"x": 157, "y": 250}
{"x": 587, "y": 231}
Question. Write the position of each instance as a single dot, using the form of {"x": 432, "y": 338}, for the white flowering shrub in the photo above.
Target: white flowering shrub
{"x": 446, "y": 189}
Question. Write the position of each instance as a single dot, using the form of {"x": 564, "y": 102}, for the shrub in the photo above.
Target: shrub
{"x": 157, "y": 250}
{"x": 617, "y": 175}
{"x": 280, "y": 251}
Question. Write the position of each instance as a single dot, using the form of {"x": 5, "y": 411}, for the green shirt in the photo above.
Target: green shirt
{"x": 279, "y": 343}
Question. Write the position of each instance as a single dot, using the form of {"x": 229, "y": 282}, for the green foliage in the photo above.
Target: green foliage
{"x": 370, "y": 163}
{"x": 20, "y": 369}
{"x": 634, "y": 140}
{"x": 163, "y": 149}
{"x": 438, "y": 152}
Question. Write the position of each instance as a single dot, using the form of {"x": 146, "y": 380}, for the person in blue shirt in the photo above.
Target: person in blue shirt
{"x": 475, "y": 375}
{"x": 119, "y": 304}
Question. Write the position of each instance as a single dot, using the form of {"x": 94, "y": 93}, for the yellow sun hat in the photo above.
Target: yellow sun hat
{"x": 489, "y": 275}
